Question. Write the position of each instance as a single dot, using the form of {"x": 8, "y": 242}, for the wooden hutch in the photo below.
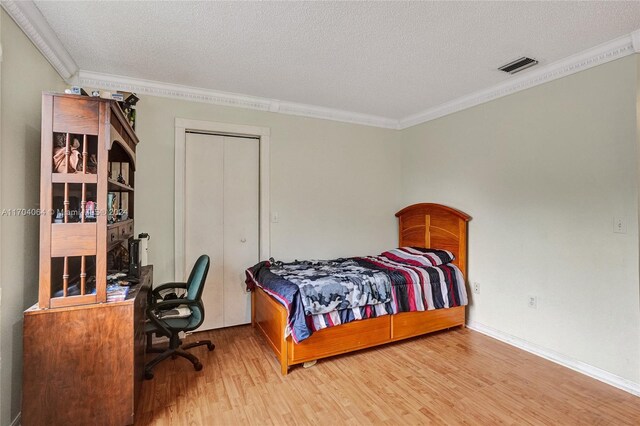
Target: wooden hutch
{"x": 84, "y": 353}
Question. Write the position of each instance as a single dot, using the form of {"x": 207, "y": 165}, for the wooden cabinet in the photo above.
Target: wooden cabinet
{"x": 84, "y": 356}
{"x": 84, "y": 365}
{"x": 87, "y": 179}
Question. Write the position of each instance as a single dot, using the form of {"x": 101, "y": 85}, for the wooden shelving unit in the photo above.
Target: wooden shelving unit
{"x": 83, "y": 356}
{"x": 86, "y": 145}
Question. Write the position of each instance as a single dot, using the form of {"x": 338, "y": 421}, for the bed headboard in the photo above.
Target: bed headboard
{"x": 435, "y": 226}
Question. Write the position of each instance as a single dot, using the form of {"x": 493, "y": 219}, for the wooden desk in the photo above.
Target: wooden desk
{"x": 85, "y": 364}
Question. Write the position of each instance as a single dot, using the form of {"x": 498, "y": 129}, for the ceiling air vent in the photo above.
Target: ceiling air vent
{"x": 518, "y": 65}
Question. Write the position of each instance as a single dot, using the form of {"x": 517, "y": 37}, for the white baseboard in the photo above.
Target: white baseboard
{"x": 16, "y": 421}
{"x": 579, "y": 366}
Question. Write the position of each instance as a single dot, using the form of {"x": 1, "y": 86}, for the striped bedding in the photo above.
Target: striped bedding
{"x": 413, "y": 286}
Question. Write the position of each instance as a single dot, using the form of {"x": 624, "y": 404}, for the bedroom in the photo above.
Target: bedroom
{"x": 545, "y": 162}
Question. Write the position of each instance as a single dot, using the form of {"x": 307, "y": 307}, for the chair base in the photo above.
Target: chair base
{"x": 174, "y": 350}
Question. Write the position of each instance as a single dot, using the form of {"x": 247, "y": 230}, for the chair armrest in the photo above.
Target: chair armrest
{"x": 158, "y": 322}
{"x": 166, "y": 304}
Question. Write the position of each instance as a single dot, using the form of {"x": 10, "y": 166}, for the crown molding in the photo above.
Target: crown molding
{"x": 615, "y": 49}
{"x": 195, "y": 94}
{"x": 28, "y": 17}
{"x": 635, "y": 41}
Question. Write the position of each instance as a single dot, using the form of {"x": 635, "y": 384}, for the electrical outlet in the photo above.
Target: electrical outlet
{"x": 476, "y": 288}
{"x": 533, "y": 302}
{"x": 619, "y": 225}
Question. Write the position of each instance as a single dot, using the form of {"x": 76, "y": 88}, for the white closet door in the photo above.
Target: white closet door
{"x": 204, "y": 218}
{"x": 241, "y": 177}
{"x": 221, "y": 220}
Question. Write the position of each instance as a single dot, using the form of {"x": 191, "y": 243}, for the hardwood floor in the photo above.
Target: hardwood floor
{"x": 451, "y": 377}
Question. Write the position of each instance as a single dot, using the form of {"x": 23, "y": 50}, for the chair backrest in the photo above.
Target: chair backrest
{"x": 197, "y": 277}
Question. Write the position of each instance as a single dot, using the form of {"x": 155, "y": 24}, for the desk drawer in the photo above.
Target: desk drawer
{"x": 126, "y": 229}
{"x": 112, "y": 235}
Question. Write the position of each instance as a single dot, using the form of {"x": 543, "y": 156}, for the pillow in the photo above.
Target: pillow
{"x": 417, "y": 256}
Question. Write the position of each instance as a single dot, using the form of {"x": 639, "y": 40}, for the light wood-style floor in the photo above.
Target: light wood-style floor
{"x": 452, "y": 377}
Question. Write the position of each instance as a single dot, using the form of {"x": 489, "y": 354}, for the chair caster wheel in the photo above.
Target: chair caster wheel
{"x": 211, "y": 346}
{"x": 197, "y": 366}
{"x": 148, "y": 375}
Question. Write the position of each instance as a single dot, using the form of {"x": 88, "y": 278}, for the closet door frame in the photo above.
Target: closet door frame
{"x": 182, "y": 126}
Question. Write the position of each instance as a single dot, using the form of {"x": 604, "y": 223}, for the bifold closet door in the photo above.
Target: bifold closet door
{"x": 204, "y": 218}
{"x": 241, "y": 196}
{"x": 221, "y": 220}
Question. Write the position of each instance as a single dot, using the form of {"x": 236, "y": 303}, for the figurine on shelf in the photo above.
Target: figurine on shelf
{"x": 121, "y": 179}
{"x": 132, "y": 118}
{"x": 111, "y": 207}
{"x": 90, "y": 211}
{"x": 59, "y": 155}
{"x": 128, "y": 107}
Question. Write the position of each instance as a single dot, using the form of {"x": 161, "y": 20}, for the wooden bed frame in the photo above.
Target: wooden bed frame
{"x": 420, "y": 225}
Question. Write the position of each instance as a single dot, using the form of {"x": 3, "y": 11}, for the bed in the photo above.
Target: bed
{"x": 424, "y": 225}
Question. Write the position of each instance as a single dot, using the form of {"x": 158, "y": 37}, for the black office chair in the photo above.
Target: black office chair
{"x": 165, "y": 318}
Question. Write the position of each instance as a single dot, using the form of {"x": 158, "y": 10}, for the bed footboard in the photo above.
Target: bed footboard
{"x": 270, "y": 318}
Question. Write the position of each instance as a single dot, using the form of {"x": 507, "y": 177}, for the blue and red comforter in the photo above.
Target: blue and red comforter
{"x": 320, "y": 294}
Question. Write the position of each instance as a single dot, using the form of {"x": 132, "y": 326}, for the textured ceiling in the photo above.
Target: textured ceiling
{"x": 388, "y": 59}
